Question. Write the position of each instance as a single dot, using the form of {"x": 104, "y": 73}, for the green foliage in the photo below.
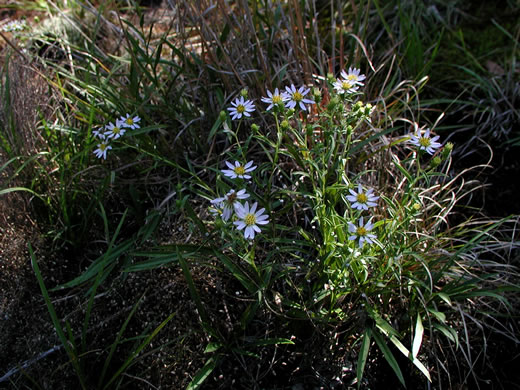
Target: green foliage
{"x": 78, "y": 351}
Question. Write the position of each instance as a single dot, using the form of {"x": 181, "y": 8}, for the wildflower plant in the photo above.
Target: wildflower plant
{"x": 239, "y": 170}
{"x": 102, "y": 148}
{"x": 295, "y": 98}
{"x": 361, "y": 199}
{"x": 424, "y": 142}
{"x": 353, "y": 246}
{"x": 361, "y": 232}
{"x": 241, "y": 108}
{"x": 230, "y": 202}
{"x": 249, "y": 219}
{"x": 353, "y": 75}
{"x": 112, "y": 132}
{"x": 275, "y": 98}
{"x": 115, "y": 131}
{"x": 14, "y": 26}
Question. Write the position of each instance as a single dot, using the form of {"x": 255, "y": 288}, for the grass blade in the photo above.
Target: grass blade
{"x": 55, "y": 321}
{"x": 202, "y": 374}
{"x": 116, "y": 341}
{"x": 193, "y": 292}
{"x": 363, "y": 355}
{"x": 389, "y": 356}
{"x": 133, "y": 355}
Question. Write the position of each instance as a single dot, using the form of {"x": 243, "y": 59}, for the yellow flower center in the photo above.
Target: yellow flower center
{"x": 241, "y": 108}
{"x": 352, "y": 77}
{"x": 425, "y": 141}
{"x": 361, "y": 231}
{"x": 250, "y": 219}
{"x": 240, "y": 170}
{"x": 116, "y": 130}
{"x": 129, "y": 121}
{"x": 297, "y": 97}
{"x": 277, "y": 99}
{"x": 361, "y": 198}
{"x": 346, "y": 85}
{"x": 102, "y": 147}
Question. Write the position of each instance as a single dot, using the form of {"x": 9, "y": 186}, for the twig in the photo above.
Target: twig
{"x": 14, "y": 47}
{"x": 29, "y": 362}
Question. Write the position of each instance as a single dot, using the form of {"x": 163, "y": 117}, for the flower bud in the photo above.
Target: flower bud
{"x": 446, "y": 151}
{"x": 244, "y": 93}
{"x": 316, "y": 93}
{"x": 284, "y": 125}
{"x": 332, "y": 104}
{"x": 330, "y": 78}
{"x": 255, "y": 128}
{"x": 357, "y": 106}
{"x": 222, "y": 116}
{"x": 435, "y": 161}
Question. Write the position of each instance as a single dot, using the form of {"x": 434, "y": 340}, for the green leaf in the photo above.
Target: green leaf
{"x": 445, "y": 298}
{"x": 439, "y": 315}
{"x": 240, "y": 275}
{"x": 163, "y": 255}
{"x": 148, "y": 229}
{"x": 484, "y": 293}
{"x": 214, "y": 129}
{"x": 110, "y": 257}
{"x": 360, "y": 145}
{"x": 363, "y": 355}
{"x": 117, "y": 341}
{"x": 193, "y": 216}
{"x": 248, "y": 314}
{"x": 212, "y": 347}
{"x": 14, "y": 189}
{"x": 403, "y": 170}
{"x": 407, "y": 353}
{"x": 193, "y": 291}
{"x": 392, "y": 334}
{"x": 417, "y": 340}
{"x": 273, "y": 341}
{"x": 450, "y": 333}
{"x": 202, "y": 374}
{"x": 388, "y": 356}
{"x": 101, "y": 275}
{"x": 382, "y": 324}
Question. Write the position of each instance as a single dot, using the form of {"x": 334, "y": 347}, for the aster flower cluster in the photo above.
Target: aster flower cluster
{"x": 362, "y": 200}
{"x": 247, "y": 217}
{"x": 350, "y": 82}
{"x": 14, "y": 25}
{"x": 112, "y": 132}
{"x": 292, "y": 97}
